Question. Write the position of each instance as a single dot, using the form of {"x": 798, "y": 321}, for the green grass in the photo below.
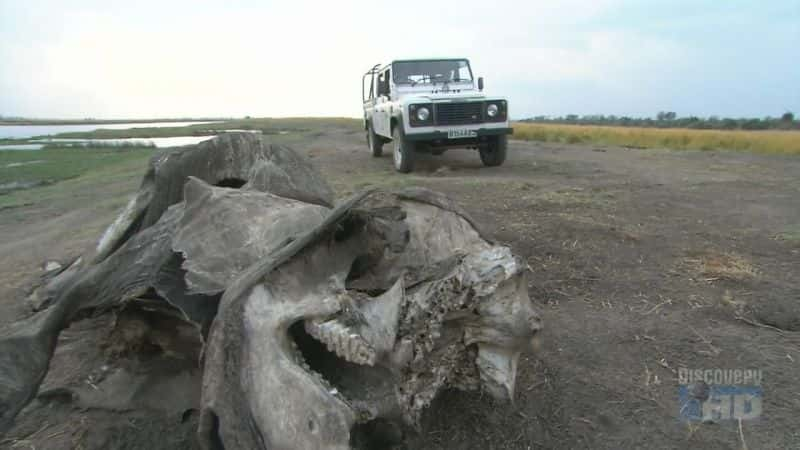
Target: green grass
{"x": 38, "y": 176}
{"x": 34, "y": 170}
{"x": 778, "y": 142}
{"x": 117, "y": 180}
{"x": 13, "y": 141}
{"x": 791, "y": 234}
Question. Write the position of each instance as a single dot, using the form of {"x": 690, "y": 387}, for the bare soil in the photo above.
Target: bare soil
{"x": 642, "y": 262}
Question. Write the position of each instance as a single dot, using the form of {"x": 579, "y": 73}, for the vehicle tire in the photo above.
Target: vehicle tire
{"x": 374, "y": 142}
{"x": 403, "y": 151}
{"x": 495, "y": 154}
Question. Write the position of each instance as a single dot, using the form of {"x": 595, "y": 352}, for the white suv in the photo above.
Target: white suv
{"x": 431, "y": 105}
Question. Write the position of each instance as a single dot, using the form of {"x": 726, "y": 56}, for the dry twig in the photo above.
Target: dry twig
{"x": 758, "y": 324}
{"x": 741, "y": 435}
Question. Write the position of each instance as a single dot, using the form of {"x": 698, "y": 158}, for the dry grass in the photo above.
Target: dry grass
{"x": 716, "y": 266}
{"x": 774, "y": 141}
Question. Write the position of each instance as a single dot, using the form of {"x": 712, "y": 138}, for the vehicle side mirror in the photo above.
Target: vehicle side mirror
{"x": 480, "y": 83}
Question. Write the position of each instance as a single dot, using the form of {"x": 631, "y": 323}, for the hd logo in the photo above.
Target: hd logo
{"x": 722, "y": 403}
{"x": 719, "y": 395}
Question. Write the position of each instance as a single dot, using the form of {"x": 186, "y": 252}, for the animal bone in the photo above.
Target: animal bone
{"x": 328, "y": 318}
{"x": 450, "y": 319}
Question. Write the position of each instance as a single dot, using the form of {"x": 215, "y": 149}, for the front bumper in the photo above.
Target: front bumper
{"x": 442, "y": 135}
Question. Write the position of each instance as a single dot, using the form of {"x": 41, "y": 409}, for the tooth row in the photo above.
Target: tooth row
{"x": 301, "y": 361}
{"x": 343, "y": 341}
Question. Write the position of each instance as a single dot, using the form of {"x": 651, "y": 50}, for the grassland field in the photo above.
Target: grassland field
{"x": 642, "y": 261}
{"x": 770, "y": 141}
{"x": 58, "y": 162}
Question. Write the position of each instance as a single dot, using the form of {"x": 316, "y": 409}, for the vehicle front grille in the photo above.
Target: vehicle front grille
{"x": 458, "y": 113}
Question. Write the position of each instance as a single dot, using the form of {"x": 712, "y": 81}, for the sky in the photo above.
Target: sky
{"x": 142, "y": 59}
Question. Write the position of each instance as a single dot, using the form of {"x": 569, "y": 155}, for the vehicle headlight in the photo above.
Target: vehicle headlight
{"x": 492, "y": 110}
{"x": 423, "y": 113}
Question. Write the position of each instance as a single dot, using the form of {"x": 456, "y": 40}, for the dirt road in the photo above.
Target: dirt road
{"x": 642, "y": 262}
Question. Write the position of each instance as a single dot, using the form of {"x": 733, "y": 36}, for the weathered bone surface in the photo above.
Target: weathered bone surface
{"x": 135, "y": 253}
{"x": 242, "y": 159}
{"x": 239, "y": 159}
{"x": 224, "y": 231}
{"x": 329, "y": 317}
{"x": 456, "y": 314}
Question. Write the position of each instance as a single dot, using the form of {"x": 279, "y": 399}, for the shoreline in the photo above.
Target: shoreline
{"x": 10, "y": 122}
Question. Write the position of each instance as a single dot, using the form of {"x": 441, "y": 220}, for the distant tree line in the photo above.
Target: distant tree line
{"x": 669, "y": 119}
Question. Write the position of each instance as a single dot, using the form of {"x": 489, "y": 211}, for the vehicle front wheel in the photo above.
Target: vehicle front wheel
{"x": 403, "y": 151}
{"x": 495, "y": 153}
{"x": 374, "y": 142}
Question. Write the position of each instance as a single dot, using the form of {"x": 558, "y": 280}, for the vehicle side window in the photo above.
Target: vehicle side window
{"x": 463, "y": 73}
{"x": 383, "y": 83}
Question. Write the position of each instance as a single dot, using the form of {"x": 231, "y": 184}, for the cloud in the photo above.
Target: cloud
{"x": 139, "y": 59}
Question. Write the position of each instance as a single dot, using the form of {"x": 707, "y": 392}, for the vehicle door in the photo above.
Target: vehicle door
{"x": 381, "y": 119}
{"x": 368, "y": 96}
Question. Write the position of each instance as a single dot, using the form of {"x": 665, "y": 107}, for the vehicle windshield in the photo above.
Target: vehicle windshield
{"x": 432, "y": 71}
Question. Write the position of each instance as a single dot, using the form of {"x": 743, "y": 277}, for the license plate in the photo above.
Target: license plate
{"x": 458, "y": 134}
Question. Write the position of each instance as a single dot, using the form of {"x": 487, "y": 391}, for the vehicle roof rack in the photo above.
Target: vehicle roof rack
{"x": 373, "y": 70}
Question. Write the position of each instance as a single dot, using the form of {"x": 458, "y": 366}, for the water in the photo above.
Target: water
{"x": 29, "y": 131}
{"x": 158, "y": 142}
{"x": 22, "y": 147}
